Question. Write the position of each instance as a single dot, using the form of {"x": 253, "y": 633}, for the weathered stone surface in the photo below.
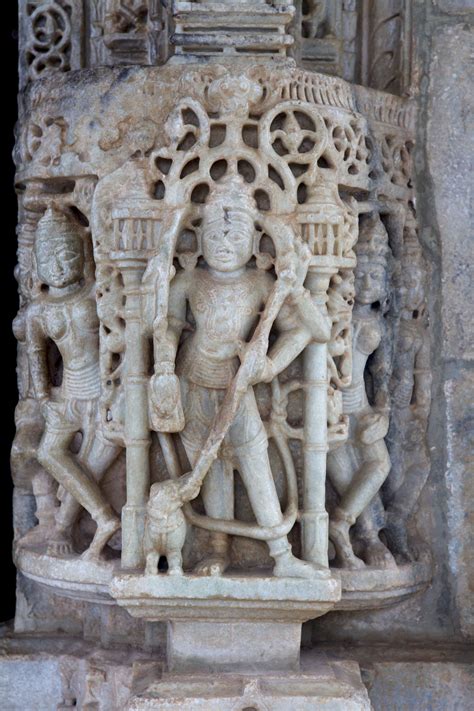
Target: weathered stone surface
{"x": 455, "y": 7}
{"x": 224, "y": 352}
{"x": 233, "y": 646}
{"x": 450, "y": 113}
{"x": 74, "y": 674}
{"x": 421, "y": 685}
{"x": 30, "y": 683}
{"x": 450, "y": 148}
{"x": 331, "y": 687}
{"x": 460, "y": 486}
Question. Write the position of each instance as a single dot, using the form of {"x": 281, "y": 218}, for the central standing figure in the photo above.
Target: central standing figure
{"x": 222, "y": 300}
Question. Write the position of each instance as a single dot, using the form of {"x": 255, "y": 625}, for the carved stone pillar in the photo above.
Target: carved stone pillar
{"x": 209, "y": 353}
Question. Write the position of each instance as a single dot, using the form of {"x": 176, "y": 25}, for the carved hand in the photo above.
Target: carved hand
{"x": 303, "y": 260}
{"x": 292, "y": 268}
{"x": 166, "y": 411}
{"x": 43, "y": 401}
{"x": 256, "y": 366}
{"x": 373, "y": 427}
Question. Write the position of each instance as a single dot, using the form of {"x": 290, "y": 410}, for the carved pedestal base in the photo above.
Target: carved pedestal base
{"x": 235, "y": 627}
{"x": 231, "y": 623}
{"x": 232, "y": 646}
{"x": 333, "y": 687}
{"x": 366, "y": 589}
{"x": 230, "y": 598}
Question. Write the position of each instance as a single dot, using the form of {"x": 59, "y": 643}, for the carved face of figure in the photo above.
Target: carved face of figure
{"x": 370, "y": 281}
{"x": 60, "y": 260}
{"x": 227, "y": 239}
{"x": 412, "y": 284}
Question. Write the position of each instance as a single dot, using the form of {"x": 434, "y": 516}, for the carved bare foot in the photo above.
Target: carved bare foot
{"x": 287, "y": 566}
{"x": 397, "y": 537}
{"x": 60, "y": 544}
{"x": 213, "y": 565}
{"x": 376, "y": 554}
{"x": 36, "y": 536}
{"x": 105, "y": 530}
{"x": 151, "y": 567}
{"x": 175, "y": 564}
{"x": 175, "y": 570}
{"x": 339, "y": 535}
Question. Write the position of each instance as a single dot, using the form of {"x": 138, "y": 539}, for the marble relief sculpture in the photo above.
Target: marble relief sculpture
{"x": 410, "y": 389}
{"x": 225, "y": 298}
{"x": 358, "y": 468}
{"x": 223, "y": 408}
{"x": 251, "y": 293}
{"x": 66, "y": 313}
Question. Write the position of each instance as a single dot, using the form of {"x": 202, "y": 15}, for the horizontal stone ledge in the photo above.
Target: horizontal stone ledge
{"x": 230, "y": 597}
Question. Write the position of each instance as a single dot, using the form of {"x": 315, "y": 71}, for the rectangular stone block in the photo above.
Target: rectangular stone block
{"x": 207, "y": 646}
{"x": 334, "y": 686}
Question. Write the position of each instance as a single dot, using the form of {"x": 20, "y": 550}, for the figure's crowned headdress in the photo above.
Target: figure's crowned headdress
{"x": 373, "y": 240}
{"x": 56, "y": 224}
{"x": 231, "y": 193}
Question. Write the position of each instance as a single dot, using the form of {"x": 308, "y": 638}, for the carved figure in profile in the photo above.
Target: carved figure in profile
{"x": 212, "y": 312}
{"x": 65, "y": 314}
{"x": 165, "y": 524}
{"x": 410, "y": 388}
{"x": 28, "y": 475}
{"x": 358, "y": 468}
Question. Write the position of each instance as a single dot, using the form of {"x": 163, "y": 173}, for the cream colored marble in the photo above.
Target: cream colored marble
{"x": 216, "y": 298}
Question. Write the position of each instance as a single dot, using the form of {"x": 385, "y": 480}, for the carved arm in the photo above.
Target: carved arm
{"x": 379, "y": 369}
{"x": 422, "y": 378}
{"x": 37, "y": 356}
{"x": 167, "y": 332}
{"x": 311, "y": 315}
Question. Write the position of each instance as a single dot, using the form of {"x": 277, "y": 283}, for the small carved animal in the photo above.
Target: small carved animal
{"x": 165, "y": 525}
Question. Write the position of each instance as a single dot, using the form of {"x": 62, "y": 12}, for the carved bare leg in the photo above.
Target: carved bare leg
{"x": 151, "y": 566}
{"x": 401, "y": 506}
{"x": 340, "y": 467}
{"x": 218, "y": 496}
{"x": 107, "y": 525}
{"x": 61, "y": 542}
{"x": 258, "y": 479}
{"x": 367, "y": 529}
{"x": 98, "y": 459}
{"x": 98, "y": 456}
{"x": 56, "y": 458}
{"x": 339, "y": 527}
{"x": 44, "y": 490}
{"x": 397, "y": 536}
{"x": 396, "y": 440}
{"x": 287, "y": 565}
{"x": 175, "y": 563}
{"x": 367, "y": 480}
{"x": 356, "y": 496}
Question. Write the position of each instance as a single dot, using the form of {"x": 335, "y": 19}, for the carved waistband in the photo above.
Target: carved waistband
{"x": 354, "y": 398}
{"x": 205, "y": 370}
{"x": 82, "y": 384}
